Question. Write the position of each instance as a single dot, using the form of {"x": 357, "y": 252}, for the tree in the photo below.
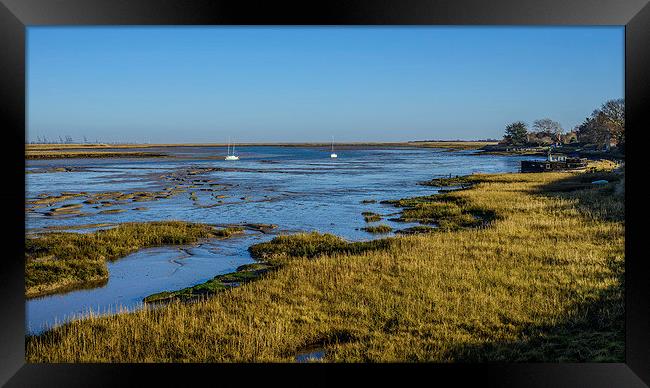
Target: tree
{"x": 550, "y": 127}
{"x": 604, "y": 125}
{"x": 516, "y": 133}
{"x": 593, "y": 130}
{"x": 613, "y": 112}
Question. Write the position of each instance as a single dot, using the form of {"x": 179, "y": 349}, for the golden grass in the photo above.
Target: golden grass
{"x": 541, "y": 282}
{"x": 603, "y": 165}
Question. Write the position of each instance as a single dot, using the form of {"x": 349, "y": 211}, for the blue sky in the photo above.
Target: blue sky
{"x": 259, "y": 84}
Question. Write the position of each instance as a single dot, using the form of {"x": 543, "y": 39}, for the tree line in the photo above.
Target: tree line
{"x": 604, "y": 128}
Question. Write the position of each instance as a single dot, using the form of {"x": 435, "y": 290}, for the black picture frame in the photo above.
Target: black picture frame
{"x": 16, "y": 15}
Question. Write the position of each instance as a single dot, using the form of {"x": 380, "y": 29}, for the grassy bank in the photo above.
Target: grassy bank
{"x": 542, "y": 281}
{"x": 60, "y": 261}
{"x": 244, "y": 274}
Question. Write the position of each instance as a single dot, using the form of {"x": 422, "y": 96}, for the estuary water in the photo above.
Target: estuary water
{"x": 295, "y": 188}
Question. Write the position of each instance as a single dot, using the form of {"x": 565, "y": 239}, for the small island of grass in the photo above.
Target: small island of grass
{"x": 59, "y": 261}
{"x": 371, "y": 217}
{"x": 378, "y": 229}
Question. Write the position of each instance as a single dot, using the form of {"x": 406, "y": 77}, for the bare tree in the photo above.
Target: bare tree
{"x": 548, "y": 126}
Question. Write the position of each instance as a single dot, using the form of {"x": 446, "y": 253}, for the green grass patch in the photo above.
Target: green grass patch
{"x": 310, "y": 245}
{"x": 462, "y": 181}
{"x": 244, "y": 274}
{"x": 378, "y": 229}
{"x": 449, "y": 211}
{"x": 62, "y": 260}
{"x": 371, "y": 217}
{"x": 417, "y": 230}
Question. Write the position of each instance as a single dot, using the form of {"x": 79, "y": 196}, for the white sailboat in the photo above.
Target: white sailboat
{"x": 231, "y": 156}
{"x": 333, "y": 155}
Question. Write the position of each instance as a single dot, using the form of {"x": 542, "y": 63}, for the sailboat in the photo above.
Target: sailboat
{"x": 231, "y": 156}
{"x": 333, "y": 155}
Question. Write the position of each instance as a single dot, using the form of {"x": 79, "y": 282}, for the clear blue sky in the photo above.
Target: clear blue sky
{"x": 205, "y": 84}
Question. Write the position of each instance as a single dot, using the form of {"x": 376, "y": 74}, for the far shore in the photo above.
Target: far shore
{"x": 82, "y": 151}
{"x": 454, "y": 144}
{"x": 67, "y": 154}
{"x": 103, "y": 150}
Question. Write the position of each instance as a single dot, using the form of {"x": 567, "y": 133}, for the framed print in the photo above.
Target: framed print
{"x": 340, "y": 192}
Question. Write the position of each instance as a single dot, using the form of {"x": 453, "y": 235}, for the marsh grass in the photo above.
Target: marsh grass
{"x": 418, "y": 229}
{"x": 542, "y": 282}
{"x": 272, "y": 255}
{"x": 449, "y": 211}
{"x": 244, "y": 274}
{"x": 371, "y": 217}
{"x": 310, "y": 245}
{"x": 378, "y": 229}
{"x": 461, "y": 181}
{"x": 59, "y": 261}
